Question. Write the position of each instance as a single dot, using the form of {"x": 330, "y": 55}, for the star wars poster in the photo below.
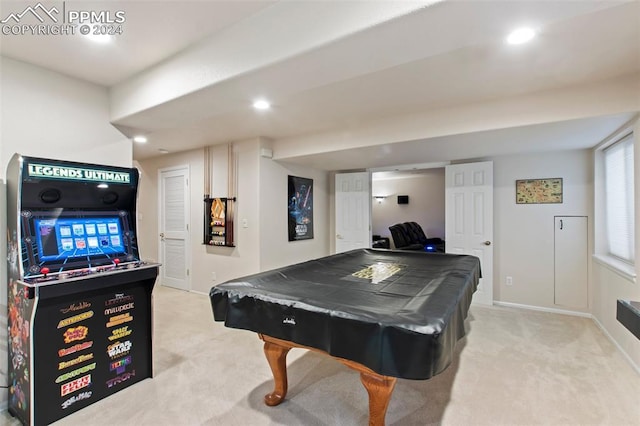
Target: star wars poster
{"x": 300, "y": 208}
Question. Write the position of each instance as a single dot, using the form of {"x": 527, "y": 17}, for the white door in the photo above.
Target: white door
{"x": 469, "y": 219}
{"x": 173, "y": 220}
{"x": 353, "y": 211}
{"x": 571, "y": 257}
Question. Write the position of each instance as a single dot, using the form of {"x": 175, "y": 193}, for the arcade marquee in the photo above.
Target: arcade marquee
{"x": 79, "y": 297}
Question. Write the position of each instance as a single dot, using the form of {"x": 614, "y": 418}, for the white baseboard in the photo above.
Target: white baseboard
{"x": 610, "y": 337}
{"x": 577, "y": 314}
{"x": 543, "y": 309}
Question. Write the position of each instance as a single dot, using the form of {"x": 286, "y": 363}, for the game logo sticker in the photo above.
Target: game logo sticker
{"x": 119, "y": 319}
{"x": 76, "y": 372}
{"x": 119, "y": 379}
{"x": 75, "y": 333}
{"x": 82, "y": 395}
{"x": 82, "y": 358}
{"x": 74, "y": 308}
{"x": 48, "y": 171}
{"x": 119, "y": 349}
{"x": 74, "y": 319}
{"x": 75, "y": 348}
{"x": 120, "y": 365}
{"x": 75, "y": 385}
{"x": 119, "y": 333}
{"x": 118, "y": 309}
{"x": 119, "y": 299}
{"x": 378, "y": 272}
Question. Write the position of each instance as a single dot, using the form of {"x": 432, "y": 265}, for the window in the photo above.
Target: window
{"x": 619, "y": 199}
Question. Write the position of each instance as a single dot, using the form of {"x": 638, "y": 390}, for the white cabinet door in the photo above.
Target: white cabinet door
{"x": 571, "y": 254}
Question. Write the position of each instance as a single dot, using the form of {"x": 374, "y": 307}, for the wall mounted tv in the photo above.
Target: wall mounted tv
{"x": 403, "y": 199}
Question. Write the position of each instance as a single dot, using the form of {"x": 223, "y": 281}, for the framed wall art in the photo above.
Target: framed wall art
{"x": 539, "y": 191}
{"x": 300, "y": 208}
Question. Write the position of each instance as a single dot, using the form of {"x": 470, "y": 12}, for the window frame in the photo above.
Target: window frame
{"x": 601, "y": 255}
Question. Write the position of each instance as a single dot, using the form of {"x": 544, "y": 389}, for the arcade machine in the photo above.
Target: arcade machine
{"x": 79, "y": 297}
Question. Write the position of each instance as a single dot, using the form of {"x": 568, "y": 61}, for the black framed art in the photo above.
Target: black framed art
{"x": 300, "y": 208}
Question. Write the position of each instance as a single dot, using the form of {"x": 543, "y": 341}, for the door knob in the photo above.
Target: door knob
{"x": 338, "y": 236}
{"x": 487, "y": 243}
{"x": 162, "y": 236}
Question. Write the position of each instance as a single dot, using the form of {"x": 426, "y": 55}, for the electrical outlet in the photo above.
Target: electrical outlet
{"x": 245, "y": 223}
{"x": 213, "y": 276}
{"x": 509, "y": 281}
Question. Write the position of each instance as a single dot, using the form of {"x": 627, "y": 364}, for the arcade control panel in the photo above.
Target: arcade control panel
{"x": 46, "y": 277}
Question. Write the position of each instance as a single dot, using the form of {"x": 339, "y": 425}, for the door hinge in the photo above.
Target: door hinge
{"x": 187, "y": 226}
{"x": 187, "y": 272}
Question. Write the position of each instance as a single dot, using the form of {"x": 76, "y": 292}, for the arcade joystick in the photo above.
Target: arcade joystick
{"x": 44, "y": 271}
{"x": 116, "y": 261}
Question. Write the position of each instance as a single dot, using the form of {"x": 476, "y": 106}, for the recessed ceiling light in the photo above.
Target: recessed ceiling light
{"x": 521, "y": 35}
{"x": 99, "y": 38}
{"x": 163, "y": 151}
{"x": 261, "y": 104}
{"x": 140, "y": 139}
{"x": 103, "y": 185}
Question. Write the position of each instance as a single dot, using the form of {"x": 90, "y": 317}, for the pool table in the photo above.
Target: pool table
{"x": 387, "y": 314}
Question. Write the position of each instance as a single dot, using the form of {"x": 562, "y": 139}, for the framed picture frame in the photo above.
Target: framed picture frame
{"x": 300, "y": 208}
{"x": 539, "y": 191}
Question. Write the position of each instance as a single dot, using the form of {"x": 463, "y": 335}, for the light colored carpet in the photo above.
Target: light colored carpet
{"x": 515, "y": 367}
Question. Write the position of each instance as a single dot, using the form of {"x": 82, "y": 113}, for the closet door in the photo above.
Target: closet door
{"x": 571, "y": 260}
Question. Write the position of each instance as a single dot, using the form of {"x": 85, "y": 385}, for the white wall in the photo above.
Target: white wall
{"x": 426, "y": 202}
{"x": 226, "y": 262}
{"x": 523, "y": 233}
{"x": 276, "y": 249}
{"x": 49, "y": 115}
{"x": 261, "y": 202}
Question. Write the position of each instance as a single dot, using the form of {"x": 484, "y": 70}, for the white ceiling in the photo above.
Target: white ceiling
{"x": 153, "y": 32}
{"x": 422, "y": 58}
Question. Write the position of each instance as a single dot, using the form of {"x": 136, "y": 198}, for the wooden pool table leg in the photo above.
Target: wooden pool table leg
{"x": 277, "y": 359}
{"x": 379, "y": 389}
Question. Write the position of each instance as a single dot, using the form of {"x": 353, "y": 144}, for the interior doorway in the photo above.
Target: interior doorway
{"x": 426, "y": 189}
{"x": 425, "y": 204}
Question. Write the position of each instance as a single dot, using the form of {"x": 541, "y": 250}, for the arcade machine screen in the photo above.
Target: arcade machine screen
{"x": 73, "y": 240}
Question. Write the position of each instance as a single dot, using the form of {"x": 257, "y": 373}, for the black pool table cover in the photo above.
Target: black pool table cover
{"x": 398, "y": 313}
